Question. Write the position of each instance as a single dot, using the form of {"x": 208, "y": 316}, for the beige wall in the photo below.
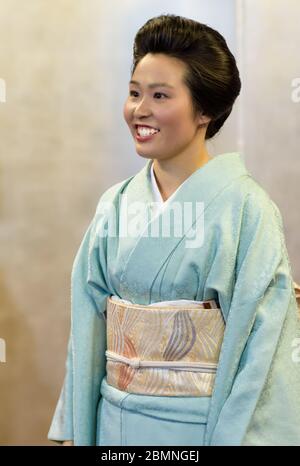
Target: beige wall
{"x": 63, "y": 141}
{"x": 269, "y": 46}
{"x": 53, "y": 136}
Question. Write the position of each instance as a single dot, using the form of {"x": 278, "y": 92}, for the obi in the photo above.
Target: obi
{"x": 163, "y": 350}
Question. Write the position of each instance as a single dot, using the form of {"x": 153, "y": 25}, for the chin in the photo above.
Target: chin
{"x": 145, "y": 156}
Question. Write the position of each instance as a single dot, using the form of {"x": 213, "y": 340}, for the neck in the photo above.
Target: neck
{"x": 171, "y": 173}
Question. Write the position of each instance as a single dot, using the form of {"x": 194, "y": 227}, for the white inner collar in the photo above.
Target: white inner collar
{"x": 157, "y": 194}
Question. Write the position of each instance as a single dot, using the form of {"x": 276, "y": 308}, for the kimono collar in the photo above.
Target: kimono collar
{"x": 156, "y": 191}
{"x": 204, "y": 186}
{"x": 201, "y": 185}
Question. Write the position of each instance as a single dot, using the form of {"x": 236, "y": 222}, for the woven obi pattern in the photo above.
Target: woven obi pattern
{"x": 163, "y": 350}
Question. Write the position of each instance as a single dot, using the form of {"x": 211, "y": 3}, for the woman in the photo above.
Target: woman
{"x": 184, "y": 325}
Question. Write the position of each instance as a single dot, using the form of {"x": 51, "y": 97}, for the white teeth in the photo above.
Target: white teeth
{"x": 143, "y": 131}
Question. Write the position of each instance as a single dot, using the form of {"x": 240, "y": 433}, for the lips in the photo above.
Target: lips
{"x": 145, "y": 126}
{"x": 149, "y": 137}
{"x": 141, "y": 132}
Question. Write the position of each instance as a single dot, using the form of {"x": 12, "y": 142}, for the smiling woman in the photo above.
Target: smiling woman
{"x": 173, "y": 344}
{"x": 185, "y": 88}
{"x": 159, "y": 113}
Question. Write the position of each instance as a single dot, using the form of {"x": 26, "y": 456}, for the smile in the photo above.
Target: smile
{"x": 145, "y": 135}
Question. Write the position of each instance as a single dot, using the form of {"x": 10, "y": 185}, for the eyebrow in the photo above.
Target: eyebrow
{"x": 151, "y": 86}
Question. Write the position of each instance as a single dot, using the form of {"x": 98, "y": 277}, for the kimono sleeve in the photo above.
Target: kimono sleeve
{"x": 61, "y": 428}
{"x": 88, "y": 302}
{"x": 260, "y": 377}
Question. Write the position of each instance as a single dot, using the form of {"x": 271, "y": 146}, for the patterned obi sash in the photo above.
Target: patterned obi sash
{"x": 165, "y": 350}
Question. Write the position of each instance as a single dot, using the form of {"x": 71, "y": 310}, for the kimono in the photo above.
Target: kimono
{"x": 237, "y": 256}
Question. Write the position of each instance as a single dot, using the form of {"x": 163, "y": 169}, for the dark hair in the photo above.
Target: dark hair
{"x": 212, "y": 75}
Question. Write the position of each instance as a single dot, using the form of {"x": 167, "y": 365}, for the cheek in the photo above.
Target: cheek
{"x": 127, "y": 112}
{"x": 176, "y": 125}
{"x": 174, "y": 119}
{"x": 166, "y": 119}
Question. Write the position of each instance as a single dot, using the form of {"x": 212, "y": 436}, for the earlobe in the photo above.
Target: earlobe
{"x": 204, "y": 119}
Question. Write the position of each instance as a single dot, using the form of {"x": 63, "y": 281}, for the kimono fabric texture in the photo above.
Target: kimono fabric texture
{"x": 231, "y": 251}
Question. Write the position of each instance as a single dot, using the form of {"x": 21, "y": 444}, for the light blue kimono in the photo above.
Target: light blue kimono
{"x": 243, "y": 263}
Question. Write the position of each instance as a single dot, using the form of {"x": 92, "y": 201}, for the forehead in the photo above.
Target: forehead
{"x": 159, "y": 68}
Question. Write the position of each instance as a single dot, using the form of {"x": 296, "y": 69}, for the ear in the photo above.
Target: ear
{"x": 204, "y": 119}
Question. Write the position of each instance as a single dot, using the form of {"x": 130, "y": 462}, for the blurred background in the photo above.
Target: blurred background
{"x": 64, "y": 72}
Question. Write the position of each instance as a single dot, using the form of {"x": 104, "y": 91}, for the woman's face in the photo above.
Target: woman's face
{"x": 168, "y": 109}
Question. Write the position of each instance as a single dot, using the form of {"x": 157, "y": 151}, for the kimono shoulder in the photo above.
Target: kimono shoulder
{"x": 113, "y": 192}
{"x": 254, "y": 199}
{"x": 261, "y": 245}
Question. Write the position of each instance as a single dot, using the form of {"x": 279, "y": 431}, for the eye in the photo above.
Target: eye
{"x": 160, "y": 93}
{"x": 134, "y": 92}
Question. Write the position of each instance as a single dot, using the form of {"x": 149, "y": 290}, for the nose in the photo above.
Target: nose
{"x": 142, "y": 108}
